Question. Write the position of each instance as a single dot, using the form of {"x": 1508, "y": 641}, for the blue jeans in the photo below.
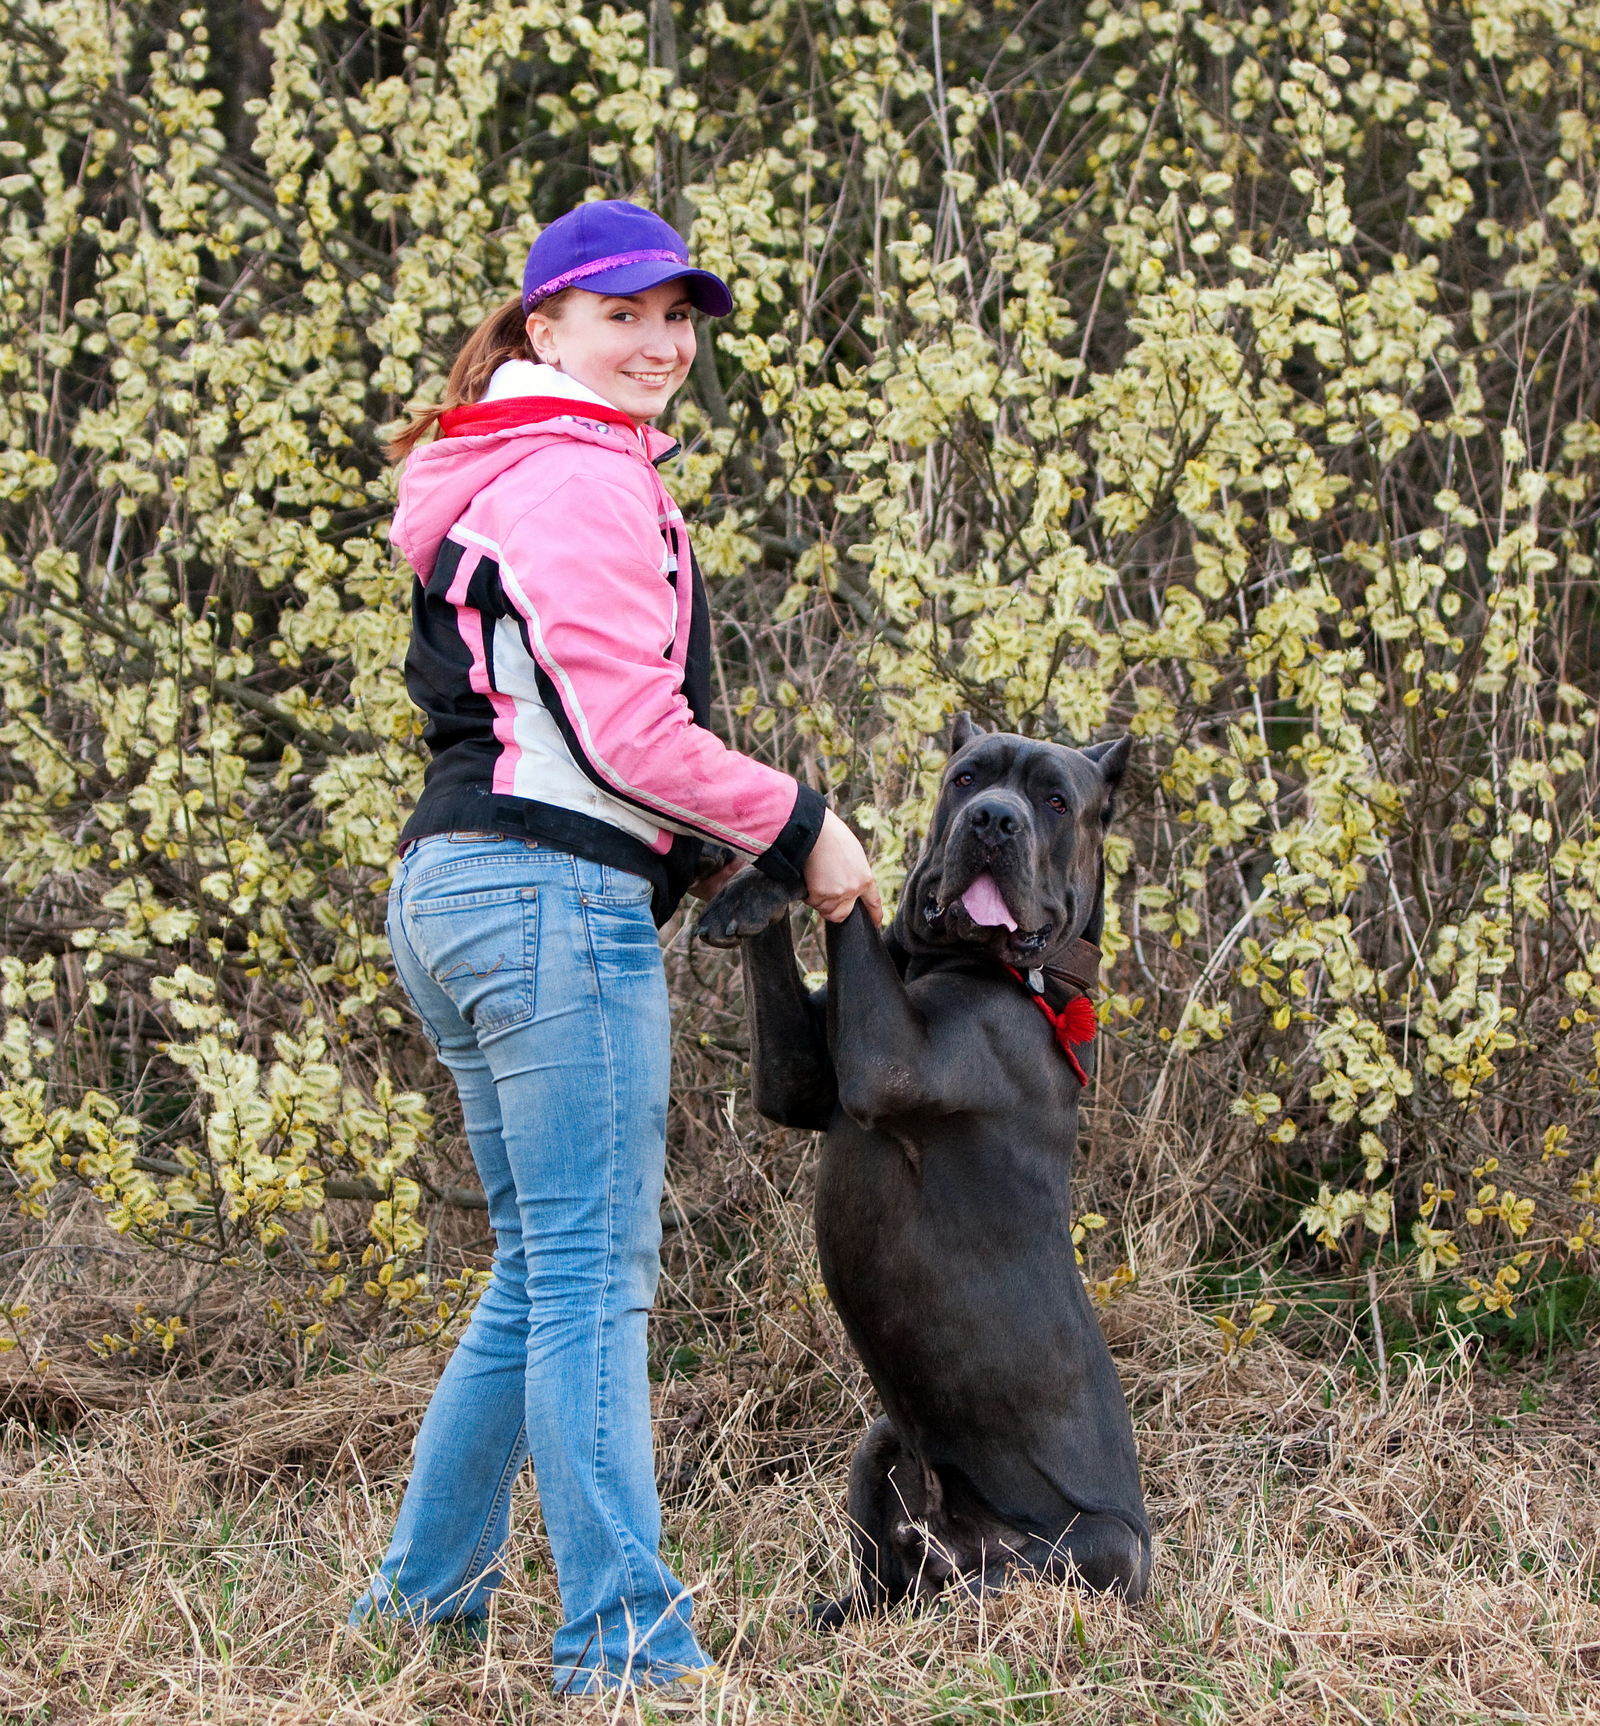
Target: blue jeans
{"x": 538, "y": 979}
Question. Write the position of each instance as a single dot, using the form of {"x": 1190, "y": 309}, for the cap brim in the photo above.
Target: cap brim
{"x": 707, "y": 293}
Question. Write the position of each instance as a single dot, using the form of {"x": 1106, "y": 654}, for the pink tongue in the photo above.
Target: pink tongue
{"x": 985, "y": 905}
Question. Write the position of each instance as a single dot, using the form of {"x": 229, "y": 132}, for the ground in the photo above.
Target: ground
{"x": 1322, "y": 1556}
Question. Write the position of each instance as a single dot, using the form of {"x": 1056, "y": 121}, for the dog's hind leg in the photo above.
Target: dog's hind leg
{"x": 1101, "y": 1552}
{"x": 883, "y": 1477}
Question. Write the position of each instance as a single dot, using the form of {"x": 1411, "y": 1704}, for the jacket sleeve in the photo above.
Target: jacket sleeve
{"x": 586, "y": 571}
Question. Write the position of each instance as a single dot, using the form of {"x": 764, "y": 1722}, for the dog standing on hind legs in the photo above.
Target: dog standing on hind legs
{"x": 950, "y": 1104}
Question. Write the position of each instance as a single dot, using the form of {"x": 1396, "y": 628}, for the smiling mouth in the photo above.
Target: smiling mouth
{"x": 650, "y": 380}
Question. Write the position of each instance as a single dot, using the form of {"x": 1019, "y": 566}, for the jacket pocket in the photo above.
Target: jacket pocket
{"x": 482, "y": 949}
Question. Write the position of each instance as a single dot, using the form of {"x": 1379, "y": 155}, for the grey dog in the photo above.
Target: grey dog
{"x": 944, "y": 1189}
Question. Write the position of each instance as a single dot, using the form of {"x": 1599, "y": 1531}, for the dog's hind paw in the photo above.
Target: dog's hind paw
{"x": 751, "y": 902}
{"x": 832, "y": 1614}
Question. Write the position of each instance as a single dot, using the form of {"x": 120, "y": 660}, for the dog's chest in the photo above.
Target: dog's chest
{"x": 1015, "y": 1065}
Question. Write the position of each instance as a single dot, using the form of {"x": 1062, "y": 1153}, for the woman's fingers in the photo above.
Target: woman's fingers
{"x": 837, "y": 874}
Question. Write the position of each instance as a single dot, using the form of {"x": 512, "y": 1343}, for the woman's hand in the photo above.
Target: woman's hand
{"x": 709, "y": 886}
{"x": 837, "y": 874}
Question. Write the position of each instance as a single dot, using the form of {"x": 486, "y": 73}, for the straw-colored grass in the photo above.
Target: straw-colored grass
{"x": 165, "y": 1555}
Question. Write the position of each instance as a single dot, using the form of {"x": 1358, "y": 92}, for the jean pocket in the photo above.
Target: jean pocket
{"x": 482, "y": 949}
{"x": 623, "y": 939}
{"x": 620, "y": 888}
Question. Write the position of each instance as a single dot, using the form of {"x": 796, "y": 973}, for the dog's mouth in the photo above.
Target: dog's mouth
{"x": 986, "y": 905}
{"x": 982, "y": 907}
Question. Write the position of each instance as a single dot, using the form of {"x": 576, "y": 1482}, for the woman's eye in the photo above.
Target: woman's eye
{"x": 962, "y": 779}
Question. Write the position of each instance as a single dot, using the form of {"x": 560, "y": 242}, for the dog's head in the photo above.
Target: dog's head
{"x": 1013, "y": 862}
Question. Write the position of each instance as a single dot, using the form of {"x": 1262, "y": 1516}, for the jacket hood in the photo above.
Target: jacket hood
{"x": 441, "y": 478}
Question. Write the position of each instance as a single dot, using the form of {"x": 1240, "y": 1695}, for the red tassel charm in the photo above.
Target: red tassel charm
{"x": 1075, "y": 1023}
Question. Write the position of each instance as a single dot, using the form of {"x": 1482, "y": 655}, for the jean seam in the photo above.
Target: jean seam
{"x": 602, "y": 1376}
{"x": 398, "y": 895}
{"x": 508, "y": 1476}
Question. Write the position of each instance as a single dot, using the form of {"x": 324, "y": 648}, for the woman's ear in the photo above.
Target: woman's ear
{"x": 542, "y": 339}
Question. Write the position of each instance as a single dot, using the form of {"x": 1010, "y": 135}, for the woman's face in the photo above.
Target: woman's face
{"x": 633, "y": 350}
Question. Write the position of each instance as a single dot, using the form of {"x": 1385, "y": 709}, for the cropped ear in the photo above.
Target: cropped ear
{"x": 1111, "y": 758}
{"x": 962, "y": 731}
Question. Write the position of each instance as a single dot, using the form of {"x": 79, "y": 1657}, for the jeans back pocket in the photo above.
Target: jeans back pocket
{"x": 482, "y": 949}
{"x": 620, "y": 887}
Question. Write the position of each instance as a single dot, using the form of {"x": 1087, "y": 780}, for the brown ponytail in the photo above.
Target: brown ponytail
{"x": 502, "y": 336}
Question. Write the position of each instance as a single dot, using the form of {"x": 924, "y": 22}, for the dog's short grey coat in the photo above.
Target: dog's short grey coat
{"x": 943, "y": 1194}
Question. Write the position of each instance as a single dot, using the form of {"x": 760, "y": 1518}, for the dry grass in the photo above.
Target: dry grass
{"x": 180, "y": 1536}
{"x": 165, "y": 1556}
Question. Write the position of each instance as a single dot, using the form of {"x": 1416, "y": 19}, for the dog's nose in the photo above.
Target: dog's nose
{"x": 992, "y": 819}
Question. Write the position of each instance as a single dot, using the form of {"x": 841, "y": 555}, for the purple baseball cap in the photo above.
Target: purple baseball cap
{"x": 612, "y": 247}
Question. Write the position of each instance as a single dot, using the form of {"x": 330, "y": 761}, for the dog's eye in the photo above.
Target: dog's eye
{"x": 962, "y": 779}
{"x": 1058, "y": 803}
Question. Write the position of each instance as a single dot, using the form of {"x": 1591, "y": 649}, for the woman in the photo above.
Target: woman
{"x": 560, "y": 650}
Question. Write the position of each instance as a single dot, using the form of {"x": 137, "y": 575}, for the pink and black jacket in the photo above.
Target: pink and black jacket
{"x": 560, "y": 647}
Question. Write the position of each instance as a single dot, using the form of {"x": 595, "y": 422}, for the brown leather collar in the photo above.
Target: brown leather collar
{"x": 1079, "y": 967}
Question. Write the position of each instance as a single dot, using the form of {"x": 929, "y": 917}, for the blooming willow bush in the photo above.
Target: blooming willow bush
{"x": 1226, "y": 376}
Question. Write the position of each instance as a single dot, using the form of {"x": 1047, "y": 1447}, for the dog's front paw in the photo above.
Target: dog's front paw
{"x": 751, "y": 902}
